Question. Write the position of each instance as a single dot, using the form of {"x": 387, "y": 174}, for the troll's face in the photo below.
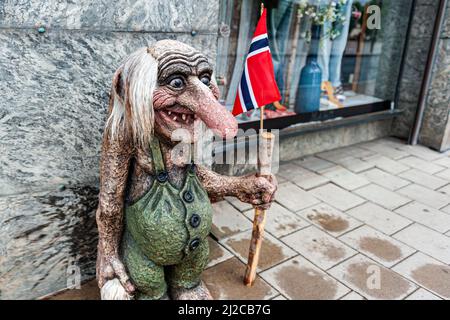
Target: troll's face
{"x": 166, "y": 87}
{"x": 186, "y": 92}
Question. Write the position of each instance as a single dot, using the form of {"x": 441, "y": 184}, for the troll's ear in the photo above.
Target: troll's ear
{"x": 118, "y": 87}
{"x": 131, "y": 101}
{"x": 116, "y": 110}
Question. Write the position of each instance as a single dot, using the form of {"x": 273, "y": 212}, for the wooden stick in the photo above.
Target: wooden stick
{"x": 259, "y": 222}
{"x": 266, "y": 145}
{"x": 261, "y": 119}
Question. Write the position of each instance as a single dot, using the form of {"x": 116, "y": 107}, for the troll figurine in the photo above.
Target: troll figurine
{"x": 154, "y": 215}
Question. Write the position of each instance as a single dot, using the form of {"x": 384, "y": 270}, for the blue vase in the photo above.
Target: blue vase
{"x": 309, "y": 88}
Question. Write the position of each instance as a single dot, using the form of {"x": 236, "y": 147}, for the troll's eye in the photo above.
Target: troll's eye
{"x": 177, "y": 83}
{"x": 206, "y": 80}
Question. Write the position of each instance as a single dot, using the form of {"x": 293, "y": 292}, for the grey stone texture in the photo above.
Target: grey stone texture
{"x": 120, "y": 15}
{"x": 435, "y": 131}
{"x": 48, "y": 241}
{"x": 53, "y": 102}
{"x": 414, "y": 65}
{"x": 436, "y": 127}
{"x": 438, "y": 135}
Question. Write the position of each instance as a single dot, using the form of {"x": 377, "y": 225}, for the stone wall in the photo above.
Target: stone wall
{"x": 435, "y": 130}
{"x": 53, "y": 101}
{"x": 414, "y": 68}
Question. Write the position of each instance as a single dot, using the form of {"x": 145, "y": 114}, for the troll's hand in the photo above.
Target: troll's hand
{"x": 258, "y": 191}
{"x": 110, "y": 267}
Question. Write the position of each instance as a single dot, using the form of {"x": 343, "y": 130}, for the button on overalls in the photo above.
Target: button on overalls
{"x": 165, "y": 233}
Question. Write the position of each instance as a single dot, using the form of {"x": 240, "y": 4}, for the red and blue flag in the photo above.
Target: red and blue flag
{"x": 257, "y": 86}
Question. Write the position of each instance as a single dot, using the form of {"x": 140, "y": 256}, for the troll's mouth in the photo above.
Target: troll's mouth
{"x": 180, "y": 115}
{"x": 212, "y": 114}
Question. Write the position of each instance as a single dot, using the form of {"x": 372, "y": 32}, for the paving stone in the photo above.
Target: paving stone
{"x": 372, "y": 280}
{"x": 422, "y": 295}
{"x": 280, "y": 179}
{"x": 355, "y": 164}
{"x": 334, "y": 155}
{"x": 381, "y": 219}
{"x": 420, "y": 164}
{"x": 426, "y": 215}
{"x": 303, "y": 178}
{"x": 318, "y": 247}
{"x": 445, "y": 174}
{"x": 421, "y": 194}
{"x": 385, "y": 179}
{"x": 217, "y": 253}
{"x": 387, "y": 164}
{"x": 445, "y": 190}
{"x": 329, "y": 219}
{"x": 377, "y": 245}
{"x": 225, "y": 282}
{"x": 426, "y": 240}
{"x": 227, "y": 220}
{"x": 294, "y": 198}
{"x": 424, "y": 179}
{"x": 238, "y": 204}
{"x": 273, "y": 251}
{"x": 280, "y": 221}
{"x": 314, "y": 164}
{"x": 298, "y": 279}
{"x": 336, "y": 197}
{"x": 357, "y": 152}
{"x": 345, "y": 178}
{"x": 287, "y": 169}
{"x": 444, "y": 162}
{"x": 394, "y": 142}
{"x": 381, "y": 196}
{"x": 353, "y": 296}
{"x": 422, "y": 152}
{"x": 349, "y": 158}
{"x": 427, "y": 272}
{"x": 384, "y": 149}
{"x": 446, "y": 209}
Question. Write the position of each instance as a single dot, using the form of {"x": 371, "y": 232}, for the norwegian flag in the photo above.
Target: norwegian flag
{"x": 257, "y": 86}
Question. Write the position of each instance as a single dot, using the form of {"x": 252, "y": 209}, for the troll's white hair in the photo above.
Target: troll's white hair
{"x": 131, "y": 101}
{"x": 113, "y": 290}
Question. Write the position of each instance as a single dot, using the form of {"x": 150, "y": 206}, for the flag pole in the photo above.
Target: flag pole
{"x": 266, "y": 144}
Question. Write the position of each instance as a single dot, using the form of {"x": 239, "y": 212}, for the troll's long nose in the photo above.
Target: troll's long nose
{"x": 201, "y": 100}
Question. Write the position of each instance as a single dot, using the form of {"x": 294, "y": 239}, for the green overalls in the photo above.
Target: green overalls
{"x": 165, "y": 233}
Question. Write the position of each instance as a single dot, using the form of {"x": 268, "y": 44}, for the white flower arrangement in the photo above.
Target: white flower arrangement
{"x": 320, "y": 14}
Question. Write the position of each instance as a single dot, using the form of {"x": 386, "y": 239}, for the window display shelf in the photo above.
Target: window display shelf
{"x": 319, "y": 116}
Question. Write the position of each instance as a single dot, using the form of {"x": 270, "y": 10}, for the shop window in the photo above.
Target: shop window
{"x": 332, "y": 58}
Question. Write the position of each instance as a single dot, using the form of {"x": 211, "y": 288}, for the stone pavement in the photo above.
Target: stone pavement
{"x": 369, "y": 221}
